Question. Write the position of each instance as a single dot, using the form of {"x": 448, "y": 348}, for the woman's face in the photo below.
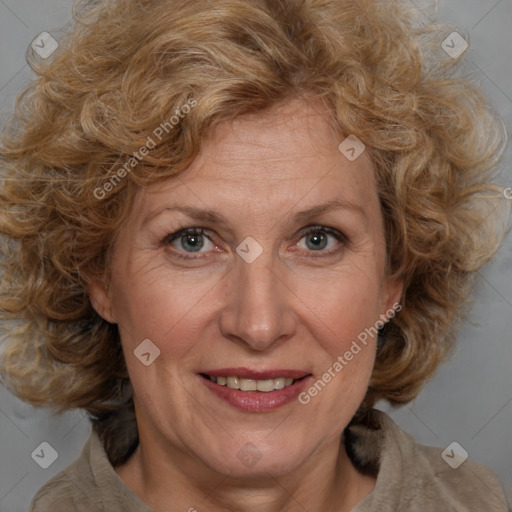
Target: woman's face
{"x": 286, "y": 272}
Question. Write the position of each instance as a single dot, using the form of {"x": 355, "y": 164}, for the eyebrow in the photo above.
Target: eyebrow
{"x": 207, "y": 214}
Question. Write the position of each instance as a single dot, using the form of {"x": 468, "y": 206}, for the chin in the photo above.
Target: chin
{"x": 249, "y": 462}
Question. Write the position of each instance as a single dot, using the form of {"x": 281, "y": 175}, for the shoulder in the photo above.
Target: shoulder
{"x": 468, "y": 486}
{"x": 419, "y": 478}
{"x": 71, "y": 489}
{"x": 89, "y": 484}
{"x": 60, "y": 493}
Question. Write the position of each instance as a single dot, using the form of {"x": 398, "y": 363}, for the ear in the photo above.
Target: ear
{"x": 392, "y": 289}
{"x": 100, "y": 298}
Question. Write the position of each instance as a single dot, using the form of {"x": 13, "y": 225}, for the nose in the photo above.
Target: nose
{"x": 258, "y": 310}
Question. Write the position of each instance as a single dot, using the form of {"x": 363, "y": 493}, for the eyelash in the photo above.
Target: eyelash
{"x": 341, "y": 237}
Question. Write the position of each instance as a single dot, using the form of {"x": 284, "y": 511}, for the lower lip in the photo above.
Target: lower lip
{"x": 257, "y": 401}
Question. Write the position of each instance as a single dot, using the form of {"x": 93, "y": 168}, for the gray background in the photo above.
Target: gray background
{"x": 468, "y": 401}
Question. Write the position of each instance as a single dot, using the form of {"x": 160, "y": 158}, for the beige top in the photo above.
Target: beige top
{"x": 411, "y": 478}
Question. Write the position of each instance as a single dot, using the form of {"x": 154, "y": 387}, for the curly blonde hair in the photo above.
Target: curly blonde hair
{"x": 128, "y": 66}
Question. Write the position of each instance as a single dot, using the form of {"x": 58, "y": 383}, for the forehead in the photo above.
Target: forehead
{"x": 282, "y": 156}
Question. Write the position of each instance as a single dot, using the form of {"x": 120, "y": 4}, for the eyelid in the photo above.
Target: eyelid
{"x": 170, "y": 237}
{"x": 326, "y": 229}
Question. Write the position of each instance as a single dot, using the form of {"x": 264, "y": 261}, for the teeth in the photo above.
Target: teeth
{"x": 265, "y": 386}
{"x": 279, "y": 383}
{"x": 247, "y": 385}
{"x": 233, "y": 382}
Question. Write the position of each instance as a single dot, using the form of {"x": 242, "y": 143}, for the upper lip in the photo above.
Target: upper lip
{"x": 248, "y": 373}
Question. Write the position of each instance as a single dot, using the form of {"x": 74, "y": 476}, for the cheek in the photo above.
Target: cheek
{"x": 343, "y": 306}
{"x": 150, "y": 307}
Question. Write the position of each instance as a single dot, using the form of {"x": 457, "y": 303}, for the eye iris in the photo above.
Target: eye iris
{"x": 318, "y": 239}
{"x": 192, "y": 241}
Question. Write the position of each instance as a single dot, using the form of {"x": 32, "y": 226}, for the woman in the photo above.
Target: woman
{"x": 234, "y": 227}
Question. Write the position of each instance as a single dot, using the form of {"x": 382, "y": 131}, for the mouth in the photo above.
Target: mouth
{"x": 261, "y": 385}
{"x": 255, "y": 391}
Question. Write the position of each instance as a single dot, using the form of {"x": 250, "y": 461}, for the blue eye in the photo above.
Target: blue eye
{"x": 318, "y": 241}
{"x": 319, "y": 238}
{"x": 189, "y": 240}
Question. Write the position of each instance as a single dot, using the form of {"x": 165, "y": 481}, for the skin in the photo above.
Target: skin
{"x": 287, "y": 309}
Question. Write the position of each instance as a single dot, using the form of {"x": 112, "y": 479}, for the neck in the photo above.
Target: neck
{"x": 326, "y": 482}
